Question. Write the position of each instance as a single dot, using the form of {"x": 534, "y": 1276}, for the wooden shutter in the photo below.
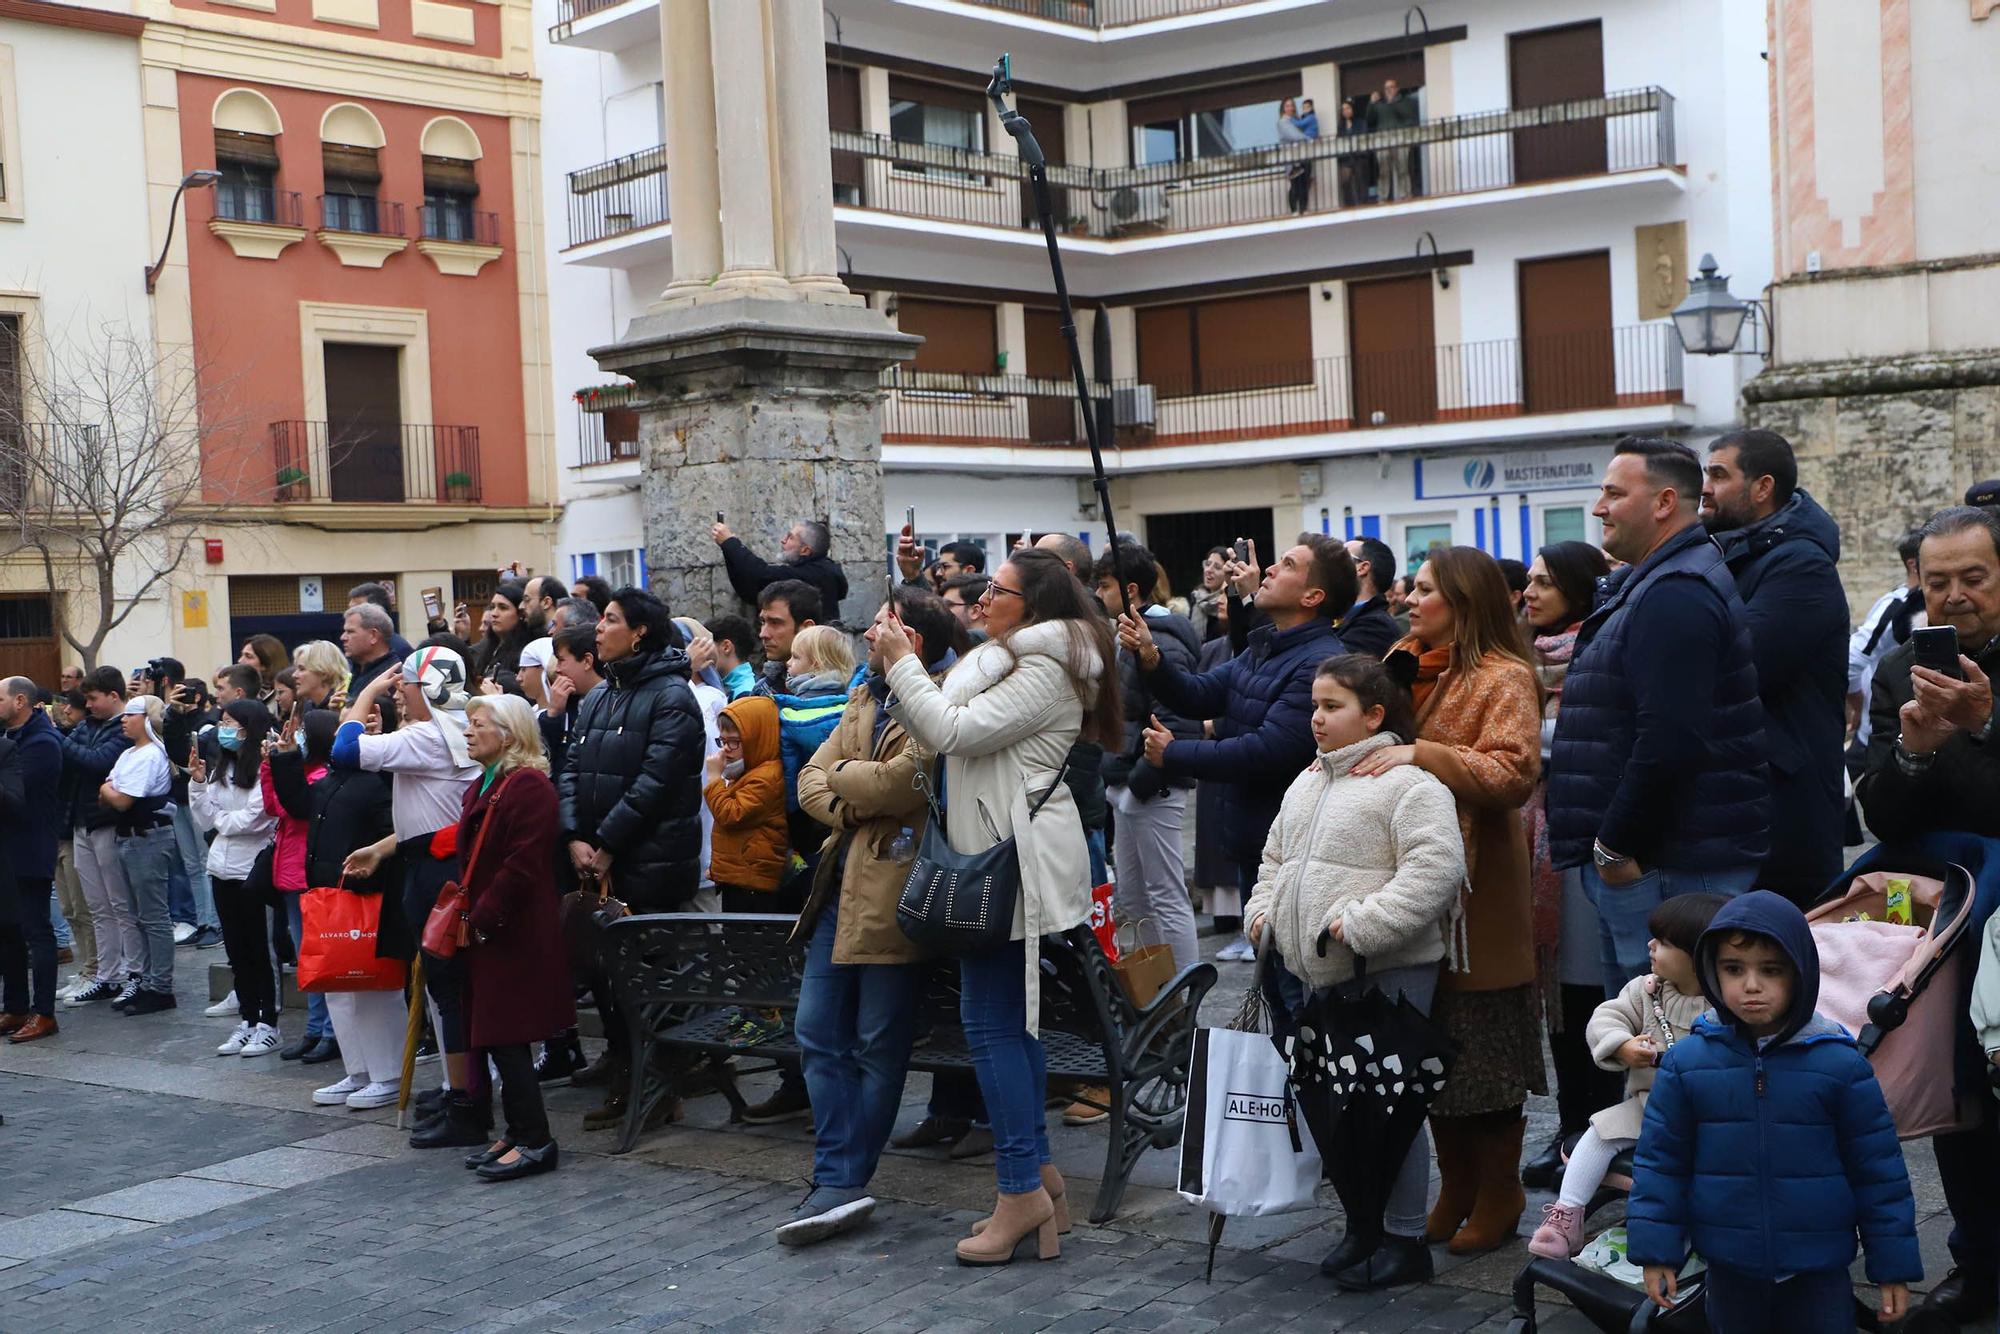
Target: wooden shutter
{"x": 255, "y": 150}
{"x": 958, "y": 336}
{"x": 349, "y": 163}
{"x": 1254, "y": 342}
{"x": 1166, "y": 349}
{"x": 449, "y": 176}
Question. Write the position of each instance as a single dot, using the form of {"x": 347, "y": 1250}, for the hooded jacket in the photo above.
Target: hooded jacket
{"x": 1797, "y": 610}
{"x": 749, "y": 848}
{"x": 632, "y": 780}
{"x": 750, "y": 574}
{"x": 1178, "y": 644}
{"x": 1770, "y": 1157}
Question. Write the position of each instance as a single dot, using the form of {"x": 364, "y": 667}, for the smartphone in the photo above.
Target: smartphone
{"x": 1937, "y": 649}
{"x": 1028, "y": 538}
{"x": 910, "y": 519}
{"x": 433, "y": 602}
{"x": 1243, "y": 549}
{"x": 719, "y": 518}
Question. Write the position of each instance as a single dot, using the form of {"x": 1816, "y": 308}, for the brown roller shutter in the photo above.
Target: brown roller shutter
{"x": 449, "y": 175}
{"x": 256, "y": 150}
{"x": 1390, "y": 348}
{"x": 843, "y": 112}
{"x": 348, "y": 163}
{"x": 1550, "y": 66}
{"x": 1253, "y": 342}
{"x": 1166, "y": 349}
{"x": 958, "y": 337}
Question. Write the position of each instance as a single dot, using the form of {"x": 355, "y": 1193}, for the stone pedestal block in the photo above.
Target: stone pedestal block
{"x": 771, "y": 412}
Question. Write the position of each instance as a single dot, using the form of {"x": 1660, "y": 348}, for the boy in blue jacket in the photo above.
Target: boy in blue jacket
{"x": 1768, "y": 1146}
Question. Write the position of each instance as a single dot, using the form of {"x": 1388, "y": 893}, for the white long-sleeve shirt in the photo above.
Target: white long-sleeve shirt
{"x": 1866, "y": 649}
{"x": 236, "y": 814}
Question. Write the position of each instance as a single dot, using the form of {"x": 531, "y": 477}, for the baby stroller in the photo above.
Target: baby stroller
{"x": 1896, "y": 991}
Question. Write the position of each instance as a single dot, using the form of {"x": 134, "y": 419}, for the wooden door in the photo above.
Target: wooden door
{"x": 1046, "y": 119}
{"x": 1392, "y": 348}
{"x": 1550, "y": 66}
{"x": 1052, "y": 418}
{"x": 1567, "y": 360}
{"x": 28, "y": 638}
{"x": 364, "y": 423}
{"x": 843, "y": 112}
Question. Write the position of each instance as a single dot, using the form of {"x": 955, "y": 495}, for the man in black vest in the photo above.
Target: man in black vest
{"x": 1781, "y": 547}
{"x": 1657, "y": 782}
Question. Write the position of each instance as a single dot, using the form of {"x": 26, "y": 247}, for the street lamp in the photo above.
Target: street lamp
{"x": 1711, "y": 320}
{"x": 201, "y": 177}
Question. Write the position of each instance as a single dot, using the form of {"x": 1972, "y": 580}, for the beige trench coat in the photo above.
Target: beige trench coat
{"x": 1004, "y": 719}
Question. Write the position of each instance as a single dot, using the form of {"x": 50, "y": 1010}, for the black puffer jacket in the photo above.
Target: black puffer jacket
{"x": 1178, "y": 644}
{"x": 346, "y": 809}
{"x": 632, "y": 780}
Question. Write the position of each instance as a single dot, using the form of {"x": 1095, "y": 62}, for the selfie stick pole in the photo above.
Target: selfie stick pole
{"x": 1016, "y": 124}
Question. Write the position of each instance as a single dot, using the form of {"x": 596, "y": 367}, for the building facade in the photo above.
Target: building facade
{"x": 363, "y": 289}
{"x": 1885, "y": 361}
{"x": 1429, "y": 328}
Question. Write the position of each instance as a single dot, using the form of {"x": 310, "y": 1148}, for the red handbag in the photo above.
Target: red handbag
{"x": 338, "y": 952}
{"x": 449, "y": 926}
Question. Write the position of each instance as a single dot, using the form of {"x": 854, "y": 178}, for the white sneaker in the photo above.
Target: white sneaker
{"x": 333, "y": 1095}
{"x": 240, "y": 1035}
{"x": 223, "y": 1008}
{"x": 262, "y": 1041}
{"x": 183, "y": 932}
{"x": 1238, "y": 950}
{"x": 376, "y": 1094}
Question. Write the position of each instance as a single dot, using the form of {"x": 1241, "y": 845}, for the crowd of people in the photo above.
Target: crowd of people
{"x": 1535, "y": 802}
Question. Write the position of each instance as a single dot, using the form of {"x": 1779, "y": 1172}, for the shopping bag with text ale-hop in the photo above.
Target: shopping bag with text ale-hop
{"x": 1244, "y": 1152}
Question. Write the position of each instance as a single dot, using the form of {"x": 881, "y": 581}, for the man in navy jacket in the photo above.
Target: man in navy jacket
{"x": 1781, "y": 548}
{"x": 1657, "y": 781}
{"x": 30, "y": 774}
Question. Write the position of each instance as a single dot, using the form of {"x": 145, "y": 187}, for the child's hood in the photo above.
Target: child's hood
{"x": 757, "y": 719}
{"x": 1770, "y": 915}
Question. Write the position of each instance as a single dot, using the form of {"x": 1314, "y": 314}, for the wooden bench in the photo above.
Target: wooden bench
{"x": 677, "y": 975}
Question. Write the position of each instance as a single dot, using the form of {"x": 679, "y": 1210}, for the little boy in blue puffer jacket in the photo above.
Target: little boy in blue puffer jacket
{"x": 1767, "y": 1144}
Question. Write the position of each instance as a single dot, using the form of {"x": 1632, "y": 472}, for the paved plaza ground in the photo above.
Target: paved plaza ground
{"x": 151, "y": 1185}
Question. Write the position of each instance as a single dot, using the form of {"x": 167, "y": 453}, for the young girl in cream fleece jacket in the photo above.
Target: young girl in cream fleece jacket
{"x": 1368, "y": 868}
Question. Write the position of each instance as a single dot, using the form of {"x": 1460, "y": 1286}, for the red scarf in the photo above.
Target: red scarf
{"x": 1431, "y": 665}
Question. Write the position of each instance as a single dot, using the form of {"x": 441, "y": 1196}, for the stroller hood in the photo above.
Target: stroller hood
{"x": 1770, "y": 915}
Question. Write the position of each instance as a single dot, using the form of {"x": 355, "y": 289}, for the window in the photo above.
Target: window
{"x": 621, "y": 568}
{"x": 350, "y": 144}
{"x": 1562, "y": 524}
{"x": 1420, "y": 539}
{"x": 451, "y": 184}
{"x": 11, "y": 190}
{"x": 930, "y": 113}
{"x": 1208, "y": 122}
{"x": 958, "y": 336}
{"x": 249, "y": 165}
{"x": 1242, "y": 342}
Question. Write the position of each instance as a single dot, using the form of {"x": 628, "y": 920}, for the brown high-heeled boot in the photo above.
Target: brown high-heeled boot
{"x": 1496, "y": 1213}
{"x": 1053, "y": 1183}
{"x": 1014, "y": 1218}
{"x": 1458, "y": 1184}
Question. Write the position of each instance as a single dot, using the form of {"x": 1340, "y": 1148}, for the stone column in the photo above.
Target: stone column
{"x": 740, "y": 51}
{"x": 692, "y": 192}
{"x": 805, "y": 183}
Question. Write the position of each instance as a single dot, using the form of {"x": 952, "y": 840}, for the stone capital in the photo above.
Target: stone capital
{"x": 758, "y": 338}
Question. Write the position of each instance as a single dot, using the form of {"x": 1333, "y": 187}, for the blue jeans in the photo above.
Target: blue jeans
{"x": 59, "y": 924}
{"x": 855, "y": 1024}
{"x": 319, "y": 1024}
{"x": 1818, "y": 1302}
{"x": 1622, "y": 911}
{"x": 1094, "y": 840}
{"x": 145, "y": 859}
{"x": 1012, "y": 1067}
{"x": 194, "y": 861}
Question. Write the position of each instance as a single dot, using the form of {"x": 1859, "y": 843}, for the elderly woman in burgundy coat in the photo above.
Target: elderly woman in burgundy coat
{"x": 517, "y": 978}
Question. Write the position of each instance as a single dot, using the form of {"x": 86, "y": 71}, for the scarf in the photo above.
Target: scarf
{"x": 1544, "y": 880}
{"x": 817, "y": 683}
{"x": 1431, "y": 665}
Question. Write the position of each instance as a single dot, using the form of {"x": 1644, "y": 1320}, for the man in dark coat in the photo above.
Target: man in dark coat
{"x": 1657, "y": 782}
{"x": 1781, "y": 548}
{"x": 1368, "y": 627}
{"x": 30, "y": 774}
{"x": 1934, "y": 764}
{"x": 803, "y": 557}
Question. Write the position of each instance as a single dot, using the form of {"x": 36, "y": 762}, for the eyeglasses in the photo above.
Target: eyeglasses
{"x": 993, "y": 588}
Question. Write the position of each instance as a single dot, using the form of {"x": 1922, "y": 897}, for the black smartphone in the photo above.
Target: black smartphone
{"x": 1243, "y": 549}
{"x": 1937, "y": 649}
{"x": 719, "y": 518}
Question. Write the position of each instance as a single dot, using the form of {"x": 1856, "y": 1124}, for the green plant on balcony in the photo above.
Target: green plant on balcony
{"x": 289, "y": 476}
{"x": 458, "y": 485}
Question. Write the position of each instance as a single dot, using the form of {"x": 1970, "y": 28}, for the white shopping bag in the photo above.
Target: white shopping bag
{"x": 1244, "y": 1151}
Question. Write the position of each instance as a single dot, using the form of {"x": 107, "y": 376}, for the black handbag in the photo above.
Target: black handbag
{"x": 962, "y": 902}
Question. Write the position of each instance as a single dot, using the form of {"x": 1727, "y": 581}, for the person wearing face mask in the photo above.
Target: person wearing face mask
{"x": 228, "y": 804}
{"x": 139, "y": 790}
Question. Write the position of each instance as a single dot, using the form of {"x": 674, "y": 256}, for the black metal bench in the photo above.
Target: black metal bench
{"x": 677, "y": 975}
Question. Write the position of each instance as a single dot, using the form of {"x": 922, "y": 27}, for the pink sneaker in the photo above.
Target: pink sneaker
{"x": 1560, "y": 1236}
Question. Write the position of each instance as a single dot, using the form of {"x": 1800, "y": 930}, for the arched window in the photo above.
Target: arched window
{"x": 246, "y": 153}
{"x": 451, "y": 182}
{"x": 350, "y": 145}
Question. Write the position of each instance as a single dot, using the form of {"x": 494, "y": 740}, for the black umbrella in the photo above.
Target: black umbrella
{"x": 1366, "y": 1070}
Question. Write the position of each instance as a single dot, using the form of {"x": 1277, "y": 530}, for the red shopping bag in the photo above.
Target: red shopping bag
{"x": 1101, "y": 924}
{"x": 338, "y": 952}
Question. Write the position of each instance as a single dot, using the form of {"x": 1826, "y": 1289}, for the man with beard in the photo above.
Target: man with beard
{"x": 1781, "y": 547}
{"x": 803, "y": 558}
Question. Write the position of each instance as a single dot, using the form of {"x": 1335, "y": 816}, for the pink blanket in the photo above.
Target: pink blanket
{"x": 1858, "y": 959}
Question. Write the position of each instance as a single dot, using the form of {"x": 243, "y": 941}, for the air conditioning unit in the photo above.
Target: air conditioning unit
{"x": 1132, "y": 406}
{"x": 1133, "y": 205}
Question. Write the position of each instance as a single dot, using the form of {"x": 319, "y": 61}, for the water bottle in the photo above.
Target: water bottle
{"x": 903, "y": 848}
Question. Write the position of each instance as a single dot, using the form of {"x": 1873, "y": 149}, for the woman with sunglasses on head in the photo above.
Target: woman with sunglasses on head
{"x": 1004, "y": 719}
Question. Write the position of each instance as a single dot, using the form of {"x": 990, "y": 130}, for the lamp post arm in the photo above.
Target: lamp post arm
{"x": 173, "y": 213}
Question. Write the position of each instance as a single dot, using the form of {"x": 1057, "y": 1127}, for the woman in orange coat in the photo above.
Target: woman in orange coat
{"x": 749, "y": 852}
{"x": 1479, "y": 731}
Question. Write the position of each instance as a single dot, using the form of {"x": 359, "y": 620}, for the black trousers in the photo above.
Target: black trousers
{"x": 1969, "y": 1166}
{"x": 246, "y": 934}
{"x": 521, "y": 1095}
{"x": 1582, "y": 1088}
{"x": 444, "y": 979}
{"x": 28, "y": 950}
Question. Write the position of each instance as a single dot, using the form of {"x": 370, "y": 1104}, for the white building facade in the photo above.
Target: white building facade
{"x": 1430, "y": 331}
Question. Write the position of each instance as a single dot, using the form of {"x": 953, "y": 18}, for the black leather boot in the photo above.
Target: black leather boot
{"x": 1398, "y": 1261}
{"x": 463, "y": 1125}
{"x": 1359, "y": 1243}
{"x": 1540, "y": 1171}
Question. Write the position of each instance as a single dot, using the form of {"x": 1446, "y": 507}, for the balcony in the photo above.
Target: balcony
{"x": 379, "y": 463}
{"x": 1454, "y": 156}
{"x": 607, "y": 425}
{"x": 257, "y": 221}
{"x": 1104, "y": 13}
{"x": 458, "y": 239}
{"x": 1634, "y": 367}
{"x": 361, "y": 229}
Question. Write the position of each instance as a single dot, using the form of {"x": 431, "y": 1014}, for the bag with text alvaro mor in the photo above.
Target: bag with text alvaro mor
{"x": 1244, "y": 1152}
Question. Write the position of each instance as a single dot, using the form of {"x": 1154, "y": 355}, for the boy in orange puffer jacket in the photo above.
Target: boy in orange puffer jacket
{"x": 750, "y": 852}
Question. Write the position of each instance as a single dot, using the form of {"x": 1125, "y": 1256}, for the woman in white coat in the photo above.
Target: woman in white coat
{"x": 1004, "y": 719}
